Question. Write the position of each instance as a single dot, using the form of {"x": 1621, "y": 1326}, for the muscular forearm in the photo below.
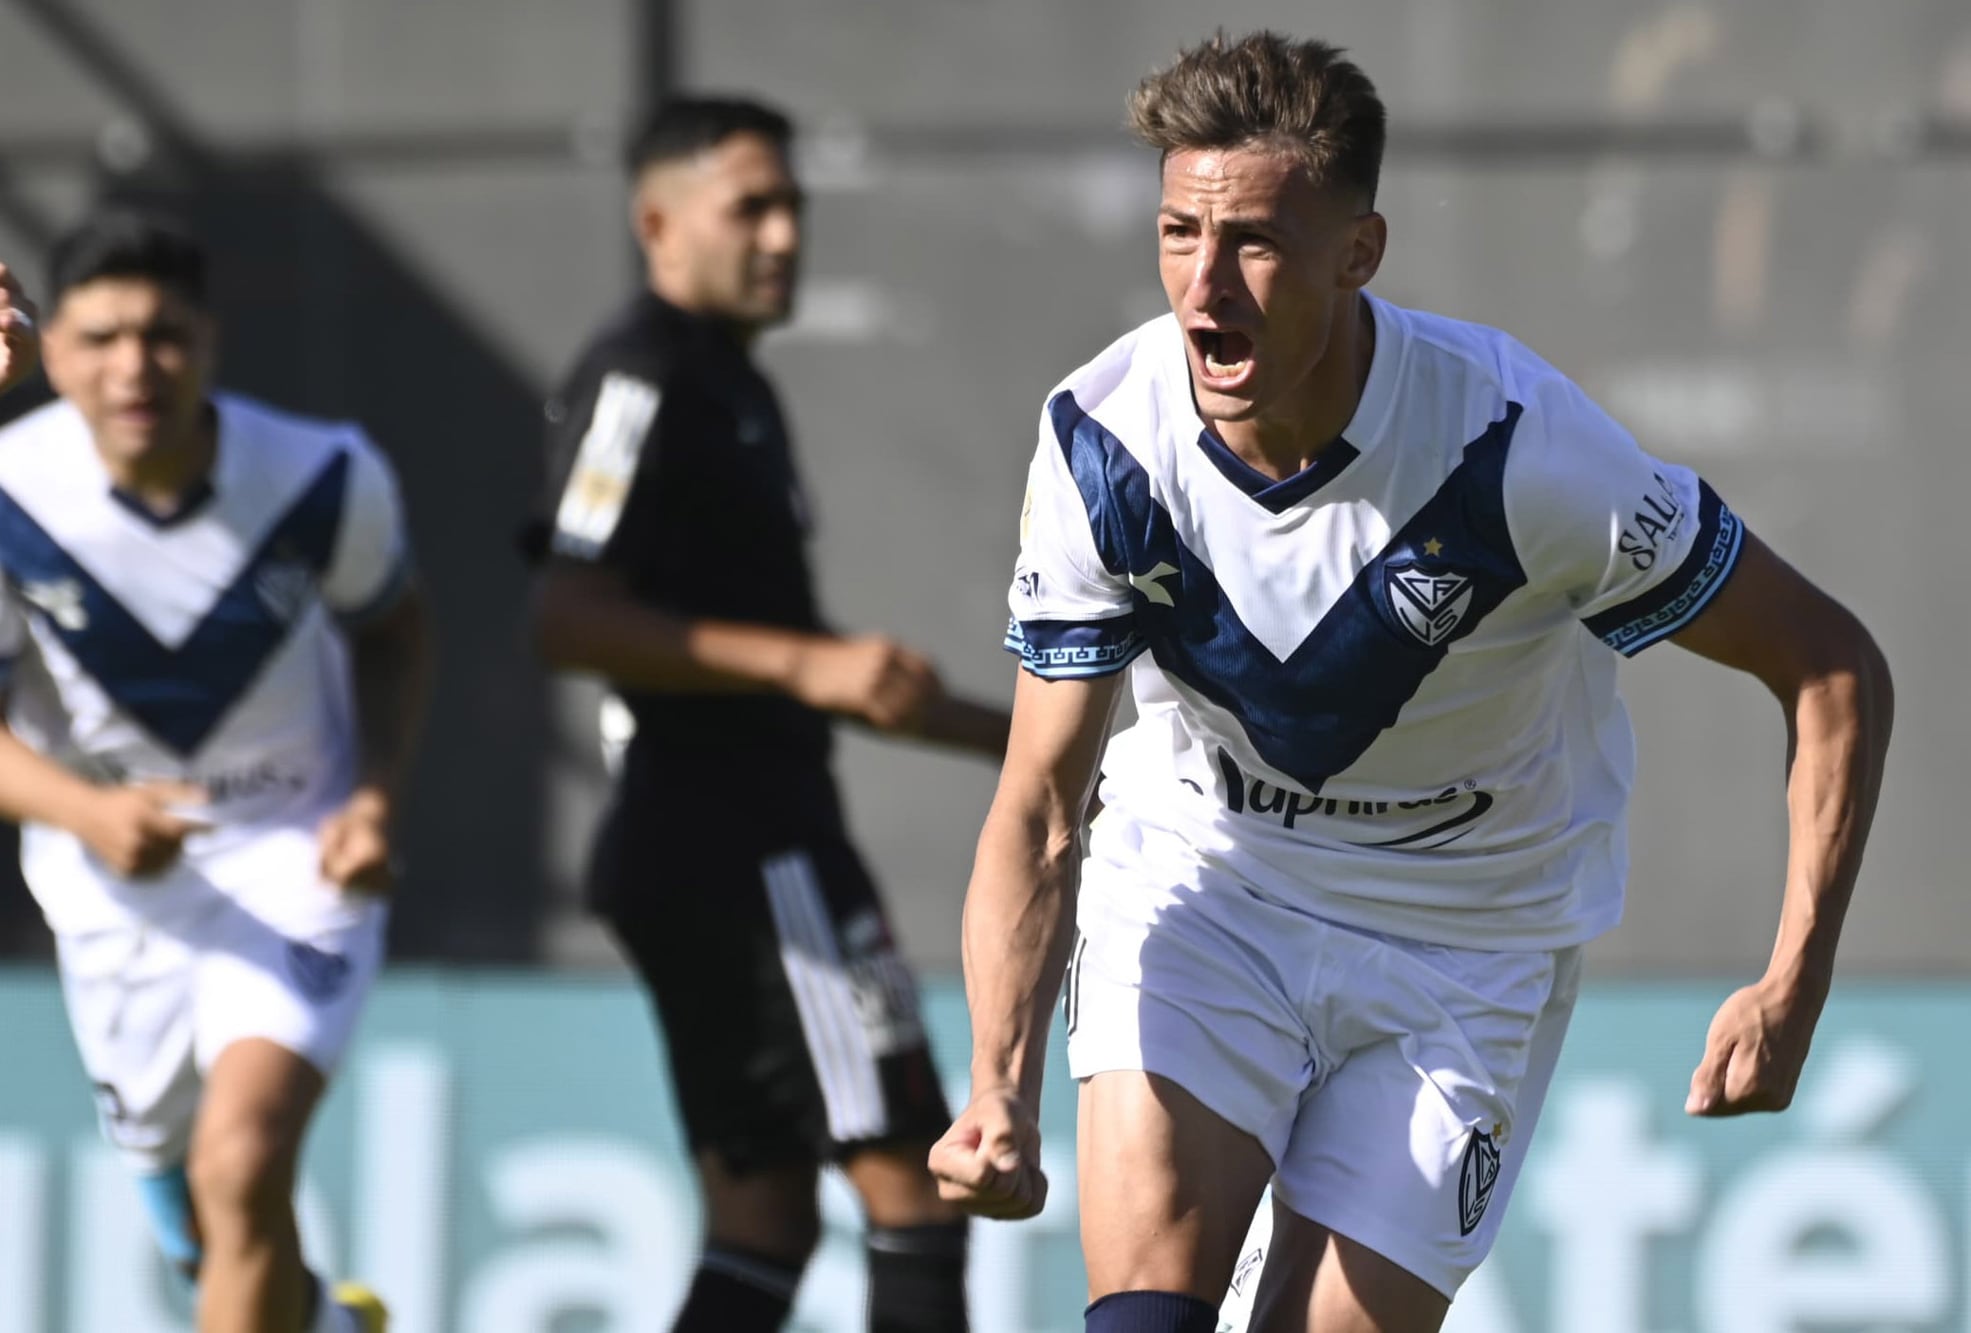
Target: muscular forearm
{"x": 1839, "y": 725}
{"x": 965, "y": 724}
{"x": 641, "y": 648}
{"x": 391, "y": 670}
{"x": 1019, "y": 918}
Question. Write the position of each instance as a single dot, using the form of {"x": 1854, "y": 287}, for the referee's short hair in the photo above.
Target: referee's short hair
{"x": 128, "y": 243}
{"x": 686, "y": 126}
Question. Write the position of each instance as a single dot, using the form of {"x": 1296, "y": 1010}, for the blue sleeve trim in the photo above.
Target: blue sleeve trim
{"x": 387, "y": 595}
{"x": 1067, "y": 649}
{"x": 1683, "y": 595}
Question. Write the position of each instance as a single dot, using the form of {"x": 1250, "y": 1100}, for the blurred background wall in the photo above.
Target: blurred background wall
{"x": 1743, "y": 226}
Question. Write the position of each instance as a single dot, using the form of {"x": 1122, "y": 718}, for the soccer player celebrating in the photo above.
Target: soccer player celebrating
{"x": 676, "y": 567}
{"x": 214, "y": 659}
{"x": 1370, "y": 565}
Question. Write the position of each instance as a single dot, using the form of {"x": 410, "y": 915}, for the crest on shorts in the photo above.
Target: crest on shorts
{"x": 1475, "y": 1180}
{"x": 318, "y": 974}
{"x": 1430, "y": 603}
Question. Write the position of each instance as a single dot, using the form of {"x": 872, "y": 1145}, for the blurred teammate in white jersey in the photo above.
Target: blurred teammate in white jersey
{"x": 214, "y": 657}
{"x": 1373, "y": 569}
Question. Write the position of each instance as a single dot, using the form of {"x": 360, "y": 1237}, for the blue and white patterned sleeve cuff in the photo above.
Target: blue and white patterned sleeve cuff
{"x": 1678, "y": 599}
{"x": 1068, "y": 650}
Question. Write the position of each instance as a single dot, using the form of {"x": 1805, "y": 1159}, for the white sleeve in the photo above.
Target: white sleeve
{"x": 1636, "y": 545}
{"x": 371, "y": 562}
{"x": 1071, "y": 614}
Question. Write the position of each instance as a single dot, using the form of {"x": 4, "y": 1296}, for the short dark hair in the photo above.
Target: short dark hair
{"x": 1266, "y": 90}
{"x": 127, "y": 243}
{"x": 686, "y": 126}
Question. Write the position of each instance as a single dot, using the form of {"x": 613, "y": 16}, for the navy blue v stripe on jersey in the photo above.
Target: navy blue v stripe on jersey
{"x": 1314, "y": 714}
{"x": 180, "y": 694}
{"x": 1277, "y": 497}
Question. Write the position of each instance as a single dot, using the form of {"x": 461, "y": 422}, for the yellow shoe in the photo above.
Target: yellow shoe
{"x": 360, "y": 1301}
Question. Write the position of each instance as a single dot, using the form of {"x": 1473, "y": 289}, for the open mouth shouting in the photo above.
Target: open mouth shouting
{"x": 1224, "y": 358}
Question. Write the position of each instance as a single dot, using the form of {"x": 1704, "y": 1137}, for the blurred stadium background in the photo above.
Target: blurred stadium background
{"x": 1745, "y": 226}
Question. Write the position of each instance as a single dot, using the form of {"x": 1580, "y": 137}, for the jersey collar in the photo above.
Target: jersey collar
{"x": 203, "y": 489}
{"x": 1364, "y": 431}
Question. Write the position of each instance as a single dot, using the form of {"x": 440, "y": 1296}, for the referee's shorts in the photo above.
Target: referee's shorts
{"x": 792, "y": 1024}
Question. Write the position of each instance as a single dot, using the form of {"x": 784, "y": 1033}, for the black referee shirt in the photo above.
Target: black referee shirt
{"x": 669, "y": 461}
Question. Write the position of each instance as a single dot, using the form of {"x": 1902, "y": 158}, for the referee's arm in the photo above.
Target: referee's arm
{"x": 587, "y": 618}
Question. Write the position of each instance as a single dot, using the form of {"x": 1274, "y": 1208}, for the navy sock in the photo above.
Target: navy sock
{"x": 736, "y": 1292}
{"x": 917, "y": 1278}
{"x": 1151, "y": 1312}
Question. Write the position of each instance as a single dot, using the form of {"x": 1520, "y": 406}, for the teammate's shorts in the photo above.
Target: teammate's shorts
{"x": 1395, "y": 1084}
{"x": 152, "y": 1010}
{"x": 791, "y": 1022}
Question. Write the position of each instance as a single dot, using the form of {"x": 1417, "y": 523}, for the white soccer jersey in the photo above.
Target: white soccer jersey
{"x": 1381, "y": 688}
{"x": 204, "y": 647}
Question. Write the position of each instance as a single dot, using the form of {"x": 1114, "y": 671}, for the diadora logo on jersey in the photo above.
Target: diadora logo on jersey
{"x": 1430, "y": 603}
{"x": 59, "y": 600}
{"x": 1148, "y": 585}
{"x": 1479, "y": 1174}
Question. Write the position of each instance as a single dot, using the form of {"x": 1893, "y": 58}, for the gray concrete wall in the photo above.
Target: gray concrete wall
{"x": 1742, "y": 226}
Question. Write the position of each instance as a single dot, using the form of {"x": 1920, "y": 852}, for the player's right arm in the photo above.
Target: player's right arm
{"x": 587, "y": 617}
{"x": 1074, "y": 627}
{"x": 136, "y": 830}
{"x": 1019, "y": 923}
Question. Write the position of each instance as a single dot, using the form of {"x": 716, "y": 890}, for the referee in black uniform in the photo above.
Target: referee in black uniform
{"x": 674, "y": 548}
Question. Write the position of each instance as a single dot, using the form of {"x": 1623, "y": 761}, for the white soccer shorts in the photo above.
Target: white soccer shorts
{"x": 151, "y": 1010}
{"x": 1395, "y": 1084}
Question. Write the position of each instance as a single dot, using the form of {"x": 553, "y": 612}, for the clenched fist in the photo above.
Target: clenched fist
{"x": 20, "y": 342}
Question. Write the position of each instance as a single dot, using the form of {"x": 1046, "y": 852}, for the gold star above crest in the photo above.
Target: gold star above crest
{"x": 1433, "y": 547}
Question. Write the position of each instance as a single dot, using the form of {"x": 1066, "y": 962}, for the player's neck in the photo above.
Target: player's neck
{"x": 1286, "y": 442}
{"x": 163, "y": 476}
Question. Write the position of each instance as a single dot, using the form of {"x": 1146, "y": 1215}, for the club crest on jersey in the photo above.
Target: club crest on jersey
{"x": 1475, "y": 1181}
{"x": 318, "y": 974}
{"x": 1430, "y": 603}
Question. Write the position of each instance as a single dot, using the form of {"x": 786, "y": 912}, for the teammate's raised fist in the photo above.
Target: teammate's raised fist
{"x": 20, "y": 339}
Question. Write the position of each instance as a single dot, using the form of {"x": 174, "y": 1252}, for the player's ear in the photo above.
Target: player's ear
{"x": 646, "y": 218}
{"x": 1368, "y": 235}
{"x": 650, "y": 201}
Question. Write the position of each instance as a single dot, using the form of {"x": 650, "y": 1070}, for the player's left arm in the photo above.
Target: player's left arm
{"x": 371, "y": 586}
{"x": 1833, "y": 685}
{"x": 1645, "y": 551}
{"x": 390, "y": 671}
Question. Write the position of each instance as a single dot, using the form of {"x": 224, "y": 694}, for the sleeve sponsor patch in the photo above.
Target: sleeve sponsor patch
{"x": 605, "y": 467}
